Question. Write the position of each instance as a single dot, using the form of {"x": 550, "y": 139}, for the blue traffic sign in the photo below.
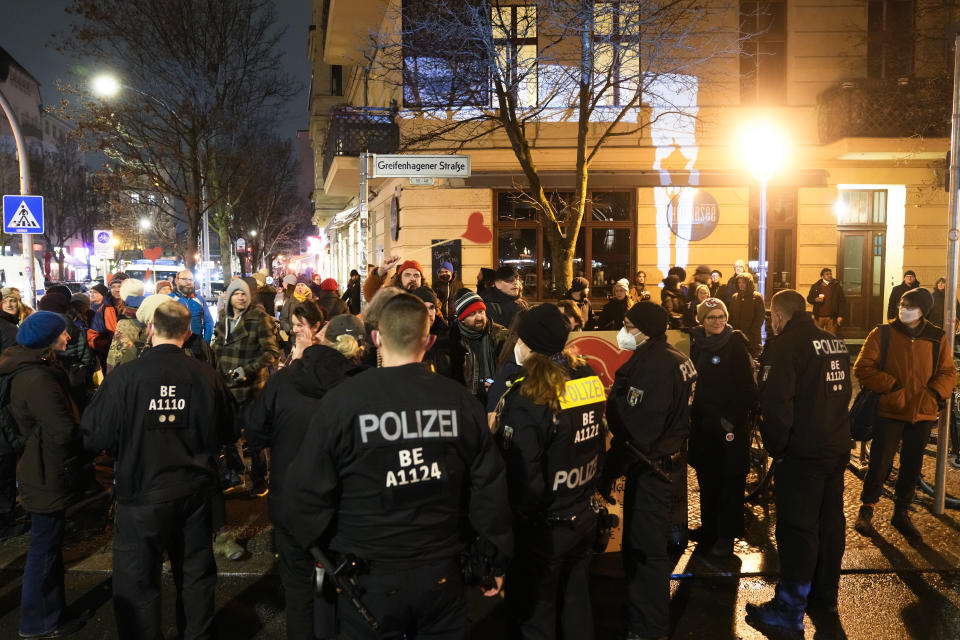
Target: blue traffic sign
{"x": 23, "y": 214}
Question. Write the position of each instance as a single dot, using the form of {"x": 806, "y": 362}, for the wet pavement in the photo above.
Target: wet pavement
{"x": 889, "y": 589}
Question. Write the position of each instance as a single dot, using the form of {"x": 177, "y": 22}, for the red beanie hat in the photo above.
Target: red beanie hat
{"x": 328, "y": 285}
{"x": 410, "y": 264}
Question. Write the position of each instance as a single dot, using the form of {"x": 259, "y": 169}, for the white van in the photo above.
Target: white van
{"x": 12, "y": 274}
{"x": 149, "y": 273}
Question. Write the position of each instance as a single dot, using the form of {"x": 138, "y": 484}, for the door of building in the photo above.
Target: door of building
{"x": 860, "y": 260}
{"x": 861, "y": 253}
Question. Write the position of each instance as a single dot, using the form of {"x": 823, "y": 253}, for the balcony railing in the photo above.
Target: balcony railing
{"x": 880, "y": 108}
{"x": 353, "y": 130}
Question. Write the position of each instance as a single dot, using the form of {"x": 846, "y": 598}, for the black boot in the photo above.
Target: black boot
{"x": 863, "y": 526}
{"x": 901, "y": 522}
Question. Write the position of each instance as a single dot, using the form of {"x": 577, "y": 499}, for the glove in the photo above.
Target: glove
{"x": 605, "y": 488}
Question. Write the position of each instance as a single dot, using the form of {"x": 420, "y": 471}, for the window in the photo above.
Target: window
{"x": 889, "y": 38}
{"x": 763, "y": 60}
{"x": 616, "y": 46}
{"x": 336, "y": 80}
{"x": 515, "y": 43}
{"x": 862, "y": 207}
{"x": 605, "y": 246}
{"x": 444, "y": 59}
{"x": 781, "y": 238}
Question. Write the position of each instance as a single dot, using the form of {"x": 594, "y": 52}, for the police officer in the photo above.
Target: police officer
{"x": 804, "y": 390}
{"x": 649, "y": 416}
{"x": 392, "y": 457}
{"x": 164, "y": 419}
{"x": 552, "y": 445}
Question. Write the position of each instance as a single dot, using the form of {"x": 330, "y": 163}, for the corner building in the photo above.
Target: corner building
{"x": 861, "y": 91}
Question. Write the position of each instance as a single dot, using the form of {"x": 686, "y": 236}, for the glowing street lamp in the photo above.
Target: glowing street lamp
{"x": 144, "y": 223}
{"x": 763, "y": 149}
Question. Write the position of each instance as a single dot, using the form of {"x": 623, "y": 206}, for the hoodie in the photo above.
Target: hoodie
{"x": 747, "y": 312}
{"x": 281, "y": 415}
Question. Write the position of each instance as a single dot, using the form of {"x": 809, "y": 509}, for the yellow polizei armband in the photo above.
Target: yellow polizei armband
{"x": 582, "y": 391}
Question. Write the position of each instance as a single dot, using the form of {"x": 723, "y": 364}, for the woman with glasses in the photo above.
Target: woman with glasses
{"x": 718, "y": 436}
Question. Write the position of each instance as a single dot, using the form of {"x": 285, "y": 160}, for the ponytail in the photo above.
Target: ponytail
{"x": 347, "y": 345}
{"x": 545, "y": 378}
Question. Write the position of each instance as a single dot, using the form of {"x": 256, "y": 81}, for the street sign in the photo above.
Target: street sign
{"x": 103, "y": 243}
{"x": 416, "y": 166}
{"x": 23, "y": 214}
{"x": 241, "y": 244}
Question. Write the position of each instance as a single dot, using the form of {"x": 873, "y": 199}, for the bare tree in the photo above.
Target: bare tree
{"x": 467, "y": 70}
{"x": 190, "y": 71}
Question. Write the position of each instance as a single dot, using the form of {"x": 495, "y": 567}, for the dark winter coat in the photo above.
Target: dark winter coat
{"x": 613, "y": 313}
{"x": 671, "y": 299}
{"x": 725, "y": 389}
{"x": 462, "y": 357}
{"x": 251, "y": 344}
{"x": 837, "y": 300}
{"x": 330, "y": 302}
{"x": 447, "y": 296}
{"x": 47, "y": 419}
{"x": 352, "y": 296}
{"x": 894, "y": 302}
{"x": 936, "y": 313}
{"x": 8, "y": 330}
{"x": 804, "y": 393}
{"x": 437, "y": 358}
{"x": 747, "y": 313}
{"x": 279, "y": 416}
{"x": 500, "y": 307}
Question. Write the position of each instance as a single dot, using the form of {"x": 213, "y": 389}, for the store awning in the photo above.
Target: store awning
{"x": 342, "y": 219}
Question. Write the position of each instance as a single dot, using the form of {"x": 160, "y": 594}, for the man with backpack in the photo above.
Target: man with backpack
{"x": 914, "y": 379}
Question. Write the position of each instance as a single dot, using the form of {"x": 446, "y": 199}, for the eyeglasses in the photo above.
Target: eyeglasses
{"x": 716, "y": 318}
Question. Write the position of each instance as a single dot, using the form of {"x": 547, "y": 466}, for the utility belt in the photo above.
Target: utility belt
{"x": 556, "y": 519}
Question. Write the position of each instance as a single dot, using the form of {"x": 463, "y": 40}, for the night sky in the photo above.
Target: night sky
{"x": 26, "y": 30}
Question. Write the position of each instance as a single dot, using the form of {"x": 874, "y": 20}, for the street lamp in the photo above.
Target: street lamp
{"x": 108, "y": 86}
{"x": 23, "y": 157}
{"x": 144, "y": 223}
{"x": 763, "y": 149}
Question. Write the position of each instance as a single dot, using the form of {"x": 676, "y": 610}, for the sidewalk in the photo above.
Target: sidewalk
{"x": 889, "y": 589}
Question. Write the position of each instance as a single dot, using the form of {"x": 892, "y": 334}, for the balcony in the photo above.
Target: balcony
{"x": 881, "y": 108}
{"x": 351, "y": 131}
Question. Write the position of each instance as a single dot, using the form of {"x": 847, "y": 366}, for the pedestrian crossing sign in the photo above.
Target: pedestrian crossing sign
{"x": 23, "y": 214}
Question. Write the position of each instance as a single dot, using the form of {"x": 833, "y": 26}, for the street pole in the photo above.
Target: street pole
{"x": 24, "y": 159}
{"x": 950, "y": 294}
{"x": 762, "y": 267}
{"x": 363, "y": 210}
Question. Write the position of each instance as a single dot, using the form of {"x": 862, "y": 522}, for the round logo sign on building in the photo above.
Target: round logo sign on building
{"x": 692, "y": 214}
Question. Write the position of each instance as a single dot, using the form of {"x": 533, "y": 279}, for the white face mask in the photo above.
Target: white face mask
{"x": 626, "y": 340}
{"x": 518, "y": 354}
{"x": 909, "y": 315}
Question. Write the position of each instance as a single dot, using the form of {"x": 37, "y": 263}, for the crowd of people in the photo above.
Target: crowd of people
{"x": 411, "y": 437}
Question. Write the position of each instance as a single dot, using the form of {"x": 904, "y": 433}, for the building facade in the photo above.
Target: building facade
{"x": 860, "y": 90}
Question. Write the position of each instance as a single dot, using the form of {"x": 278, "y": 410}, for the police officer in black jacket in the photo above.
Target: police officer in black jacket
{"x": 804, "y": 390}
{"x": 552, "y": 446}
{"x": 164, "y": 419}
{"x": 390, "y": 463}
{"x": 278, "y": 418}
{"x": 649, "y": 416}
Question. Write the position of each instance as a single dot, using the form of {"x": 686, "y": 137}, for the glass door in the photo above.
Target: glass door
{"x": 860, "y": 265}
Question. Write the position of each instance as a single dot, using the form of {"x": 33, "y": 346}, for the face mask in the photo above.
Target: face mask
{"x": 517, "y": 354}
{"x": 626, "y": 340}
{"x": 444, "y": 278}
{"x": 909, "y": 315}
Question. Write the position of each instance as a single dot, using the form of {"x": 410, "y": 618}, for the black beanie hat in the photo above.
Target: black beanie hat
{"x": 544, "y": 329}
{"x": 427, "y": 295}
{"x": 920, "y": 298}
{"x": 649, "y": 317}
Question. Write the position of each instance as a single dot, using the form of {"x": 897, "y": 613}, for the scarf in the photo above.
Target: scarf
{"x": 711, "y": 343}
{"x": 301, "y": 297}
{"x": 484, "y": 359}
